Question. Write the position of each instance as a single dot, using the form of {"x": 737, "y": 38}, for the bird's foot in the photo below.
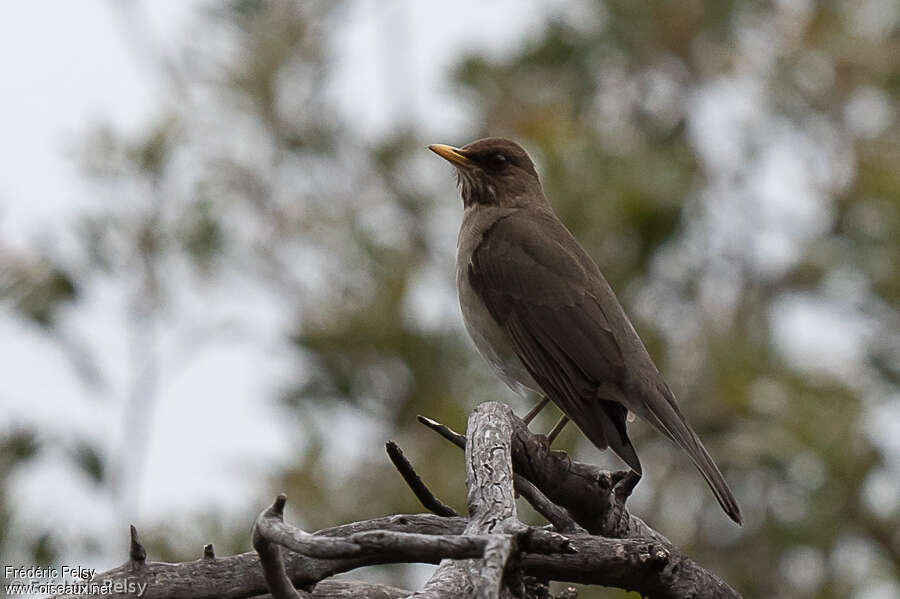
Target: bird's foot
{"x": 624, "y": 482}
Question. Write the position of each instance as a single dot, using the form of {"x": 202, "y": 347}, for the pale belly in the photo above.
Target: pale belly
{"x": 491, "y": 341}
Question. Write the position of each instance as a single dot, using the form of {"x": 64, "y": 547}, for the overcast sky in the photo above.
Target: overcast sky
{"x": 70, "y": 66}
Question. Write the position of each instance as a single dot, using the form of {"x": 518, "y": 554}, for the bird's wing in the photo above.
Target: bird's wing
{"x": 536, "y": 284}
{"x": 549, "y": 297}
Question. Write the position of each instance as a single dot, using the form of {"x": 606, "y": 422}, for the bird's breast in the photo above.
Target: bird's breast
{"x": 489, "y": 338}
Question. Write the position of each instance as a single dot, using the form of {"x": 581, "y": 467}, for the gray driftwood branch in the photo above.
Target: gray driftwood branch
{"x": 592, "y": 538}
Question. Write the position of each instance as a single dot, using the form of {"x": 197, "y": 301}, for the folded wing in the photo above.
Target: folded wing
{"x": 540, "y": 294}
{"x": 552, "y": 301}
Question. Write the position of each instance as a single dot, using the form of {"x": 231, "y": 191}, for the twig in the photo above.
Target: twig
{"x": 137, "y": 555}
{"x": 269, "y": 552}
{"x": 555, "y": 515}
{"x": 444, "y": 431}
{"x": 419, "y": 489}
{"x": 271, "y": 526}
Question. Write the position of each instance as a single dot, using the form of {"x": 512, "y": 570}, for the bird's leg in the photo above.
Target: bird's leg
{"x": 535, "y": 411}
{"x": 557, "y": 428}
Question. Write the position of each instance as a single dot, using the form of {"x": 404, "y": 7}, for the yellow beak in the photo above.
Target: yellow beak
{"x": 451, "y": 154}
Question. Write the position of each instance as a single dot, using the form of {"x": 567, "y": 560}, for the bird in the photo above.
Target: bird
{"x": 541, "y": 313}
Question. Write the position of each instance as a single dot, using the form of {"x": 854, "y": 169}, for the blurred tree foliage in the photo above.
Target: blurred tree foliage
{"x": 661, "y": 130}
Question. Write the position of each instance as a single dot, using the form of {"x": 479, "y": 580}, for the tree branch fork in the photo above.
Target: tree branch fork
{"x": 591, "y": 537}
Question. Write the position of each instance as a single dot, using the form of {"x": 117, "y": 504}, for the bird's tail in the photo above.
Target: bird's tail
{"x": 713, "y": 476}
{"x": 670, "y": 421}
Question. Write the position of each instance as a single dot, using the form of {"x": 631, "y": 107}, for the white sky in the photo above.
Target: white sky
{"x": 70, "y": 66}
{"x": 66, "y": 67}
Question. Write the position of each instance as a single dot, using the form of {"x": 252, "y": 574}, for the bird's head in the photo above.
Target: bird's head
{"x": 493, "y": 171}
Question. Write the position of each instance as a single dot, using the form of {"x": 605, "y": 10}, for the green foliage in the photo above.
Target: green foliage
{"x": 90, "y": 461}
{"x": 36, "y": 289}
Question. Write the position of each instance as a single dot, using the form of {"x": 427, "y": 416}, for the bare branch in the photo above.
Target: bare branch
{"x": 270, "y": 529}
{"x": 427, "y": 548}
{"x": 421, "y": 491}
{"x": 352, "y": 589}
{"x": 593, "y": 498}
{"x": 496, "y": 555}
{"x": 444, "y": 431}
{"x": 652, "y": 568}
{"x": 240, "y": 576}
{"x": 598, "y": 560}
{"x": 491, "y": 505}
{"x": 136, "y": 552}
{"x": 490, "y": 554}
{"x": 555, "y": 515}
{"x": 271, "y": 526}
{"x": 274, "y": 572}
{"x": 433, "y": 548}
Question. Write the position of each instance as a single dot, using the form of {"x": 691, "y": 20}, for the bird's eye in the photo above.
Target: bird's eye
{"x": 497, "y": 162}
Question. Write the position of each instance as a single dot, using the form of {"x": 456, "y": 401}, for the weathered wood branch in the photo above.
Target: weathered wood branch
{"x": 492, "y": 510}
{"x": 593, "y": 498}
{"x": 240, "y": 576}
{"x": 266, "y": 538}
{"x": 554, "y": 514}
{"x": 488, "y": 554}
{"x": 415, "y": 483}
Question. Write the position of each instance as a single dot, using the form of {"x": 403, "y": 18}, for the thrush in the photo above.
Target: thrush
{"x": 541, "y": 313}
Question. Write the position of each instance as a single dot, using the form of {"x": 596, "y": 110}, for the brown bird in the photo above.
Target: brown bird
{"x": 542, "y": 314}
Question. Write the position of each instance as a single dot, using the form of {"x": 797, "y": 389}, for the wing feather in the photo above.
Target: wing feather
{"x": 541, "y": 295}
{"x": 550, "y": 298}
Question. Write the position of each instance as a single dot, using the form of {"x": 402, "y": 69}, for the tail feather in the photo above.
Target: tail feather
{"x": 605, "y": 427}
{"x": 665, "y": 416}
{"x": 613, "y": 423}
{"x": 707, "y": 467}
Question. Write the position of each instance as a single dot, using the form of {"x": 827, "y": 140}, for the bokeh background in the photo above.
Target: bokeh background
{"x": 226, "y": 263}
